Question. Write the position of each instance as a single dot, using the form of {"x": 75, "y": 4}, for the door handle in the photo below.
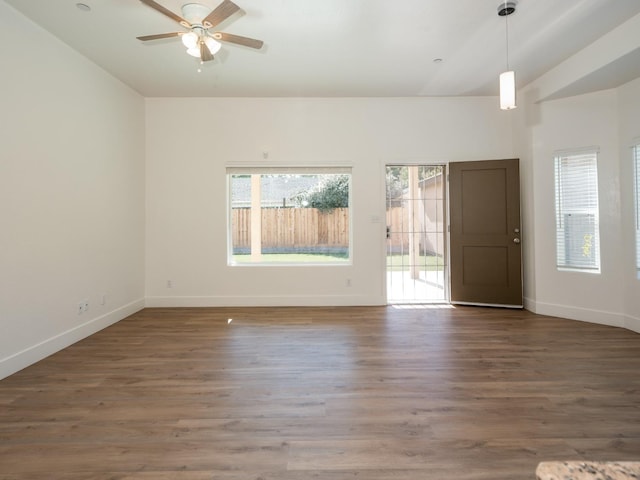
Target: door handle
{"x": 516, "y": 240}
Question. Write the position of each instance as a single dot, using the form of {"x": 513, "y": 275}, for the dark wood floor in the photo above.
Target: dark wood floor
{"x": 375, "y": 393}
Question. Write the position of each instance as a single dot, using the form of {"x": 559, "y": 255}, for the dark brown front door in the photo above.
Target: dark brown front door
{"x": 486, "y": 264}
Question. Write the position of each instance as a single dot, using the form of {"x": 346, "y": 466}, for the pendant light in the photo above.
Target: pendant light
{"x": 507, "y": 78}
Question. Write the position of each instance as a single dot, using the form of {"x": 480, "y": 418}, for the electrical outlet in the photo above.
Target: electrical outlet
{"x": 85, "y": 305}
{"x": 80, "y": 308}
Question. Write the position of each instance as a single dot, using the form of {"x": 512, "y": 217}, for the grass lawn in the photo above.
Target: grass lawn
{"x": 294, "y": 258}
{"x": 396, "y": 263}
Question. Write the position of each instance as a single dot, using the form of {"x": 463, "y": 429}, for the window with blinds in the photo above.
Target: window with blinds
{"x": 636, "y": 191}
{"x": 577, "y": 230}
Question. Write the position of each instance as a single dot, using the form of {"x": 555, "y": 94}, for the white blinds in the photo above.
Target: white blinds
{"x": 577, "y": 230}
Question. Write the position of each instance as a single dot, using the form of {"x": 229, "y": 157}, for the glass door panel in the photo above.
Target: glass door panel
{"x": 416, "y": 240}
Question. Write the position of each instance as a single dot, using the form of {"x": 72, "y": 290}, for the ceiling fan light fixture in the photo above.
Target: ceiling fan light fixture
{"x": 190, "y": 40}
{"x": 194, "y": 52}
{"x": 213, "y": 45}
{"x": 198, "y": 20}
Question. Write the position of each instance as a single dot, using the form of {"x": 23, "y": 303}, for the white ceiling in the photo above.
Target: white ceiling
{"x": 335, "y": 48}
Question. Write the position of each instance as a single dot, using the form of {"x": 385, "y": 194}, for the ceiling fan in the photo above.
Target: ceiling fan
{"x": 199, "y": 20}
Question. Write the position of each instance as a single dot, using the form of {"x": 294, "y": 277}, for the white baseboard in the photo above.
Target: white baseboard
{"x": 632, "y": 323}
{"x": 266, "y": 301}
{"x": 35, "y": 353}
{"x": 584, "y": 315}
{"x": 576, "y": 313}
{"x": 529, "y": 304}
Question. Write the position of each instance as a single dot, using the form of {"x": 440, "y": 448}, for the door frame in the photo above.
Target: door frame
{"x": 445, "y": 232}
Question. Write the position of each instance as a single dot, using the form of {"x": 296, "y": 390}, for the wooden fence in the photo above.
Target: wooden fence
{"x": 429, "y": 232}
{"x": 308, "y": 229}
{"x": 293, "y": 228}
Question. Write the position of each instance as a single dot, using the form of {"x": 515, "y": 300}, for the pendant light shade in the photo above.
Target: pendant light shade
{"x": 508, "y": 90}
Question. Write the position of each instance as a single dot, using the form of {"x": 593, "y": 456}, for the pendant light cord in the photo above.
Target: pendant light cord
{"x": 506, "y": 21}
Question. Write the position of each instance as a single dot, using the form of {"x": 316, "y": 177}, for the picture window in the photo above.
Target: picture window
{"x": 293, "y": 216}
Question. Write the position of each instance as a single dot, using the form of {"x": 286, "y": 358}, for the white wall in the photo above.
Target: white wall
{"x": 191, "y": 141}
{"x": 608, "y": 119}
{"x": 629, "y": 134}
{"x": 71, "y": 195}
{"x": 578, "y": 122}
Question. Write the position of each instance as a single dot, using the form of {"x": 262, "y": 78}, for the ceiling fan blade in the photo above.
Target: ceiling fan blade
{"x": 167, "y": 12}
{"x": 205, "y": 53}
{"x": 158, "y": 36}
{"x": 237, "y": 39}
{"x": 220, "y": 13}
